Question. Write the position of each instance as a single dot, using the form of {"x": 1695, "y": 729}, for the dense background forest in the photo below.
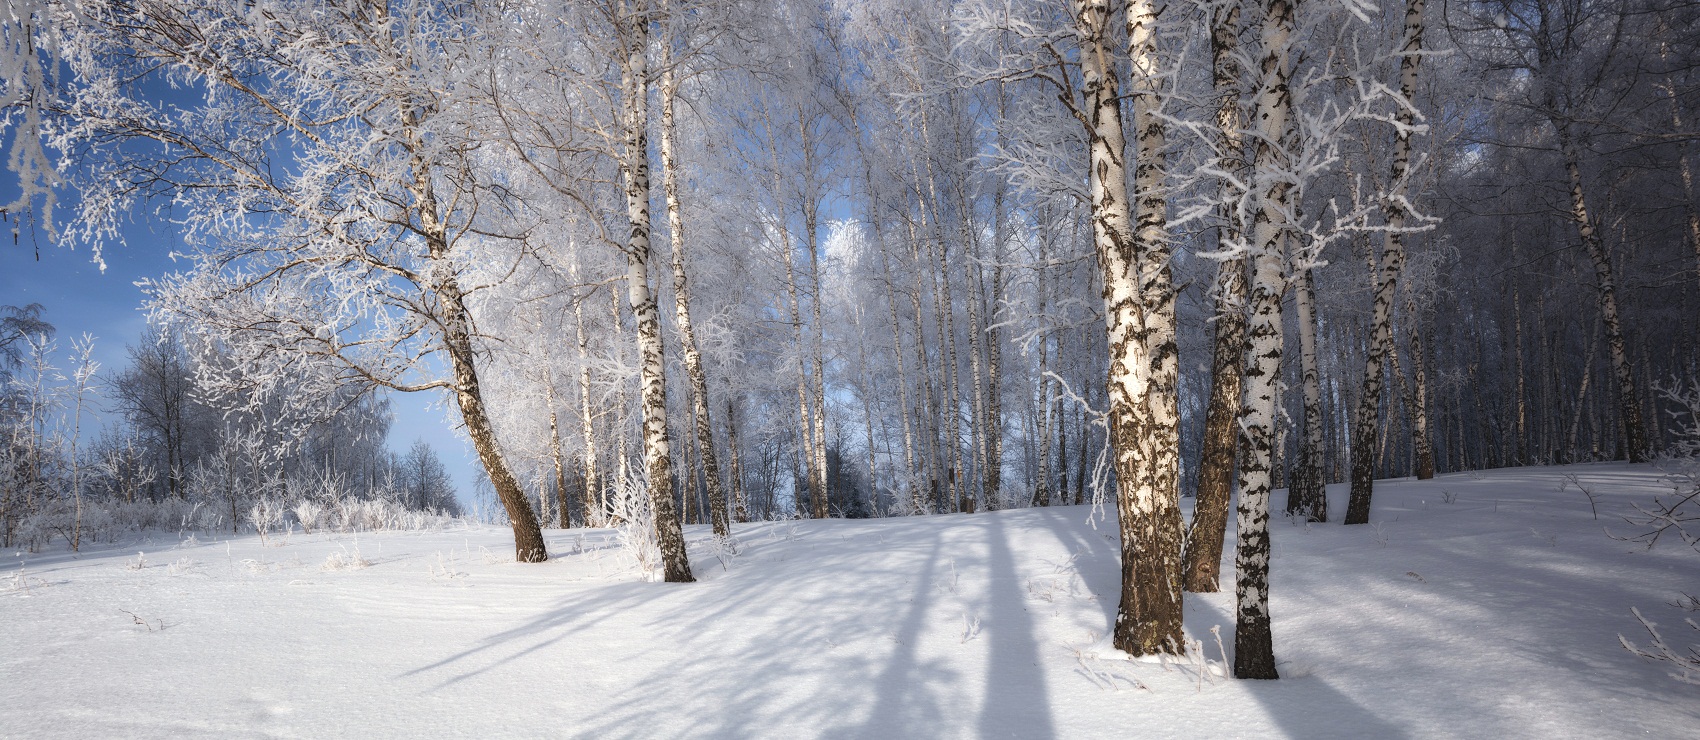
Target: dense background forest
{"x": 715, "y": 262}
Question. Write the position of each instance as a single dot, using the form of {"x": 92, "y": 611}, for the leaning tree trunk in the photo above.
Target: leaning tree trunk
{"x": 652, "y": 367}
{"x": 457, "y": 339}
{"x": 682, "y": 315}
{"x": 1629, "y": 410}
{"x": 1392, "y": 261}
{"x": 1148, "y": 618}
{"x": 1202, "y": 563}
{"x": 1254, "y": 654}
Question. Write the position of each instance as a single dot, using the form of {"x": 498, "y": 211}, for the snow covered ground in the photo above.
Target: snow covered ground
{"x": 1480, "y": 605}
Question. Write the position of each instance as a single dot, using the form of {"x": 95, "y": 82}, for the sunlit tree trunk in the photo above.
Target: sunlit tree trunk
{"x": 1148, "y": 619}
{"x": 457, "y": 339}
{"x": 652, "y": 367}
{"x": 682, "y": 314}
{"x": 817, "y": 496}
{"x": 1254, "y": 655}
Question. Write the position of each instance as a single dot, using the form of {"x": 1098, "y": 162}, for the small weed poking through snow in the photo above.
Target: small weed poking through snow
{"x": 143, "y": 622}
{"x": 491, "y": 558}
{"x": 19, "y": 582}
{"x": 1448, "y": 497}
{"x": 345, "y": 560}
{"x": 1098, "y": 672}
{"x": 1575, "y": 480}
{"x": 970, "y": 628}
{"x": 723, "y": 549}
{"x": 139, "y": 563}
{"x": 180, "y": 566}
{"x": 443, "y": 569}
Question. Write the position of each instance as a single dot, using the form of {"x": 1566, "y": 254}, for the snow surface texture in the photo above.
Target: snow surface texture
{"x": 1478, "y": 604}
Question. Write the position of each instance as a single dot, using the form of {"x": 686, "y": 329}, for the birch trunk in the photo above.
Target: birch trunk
{"x": 929, "y": 399}
{"x": 976, "y": 331}
{"x": 740, "y": 506}
{"x": 457, "y": 340}
{"x": 817, "y": 501}
{"x": 1392, "y": 261}
{"x": 1254, "y": 655}
{"x": 1042, "y": 482}
{"x": 1307, "y": 496}
{"x": 620, "y": 423}
{"x": 652, "y": 368}
{"x": 1148, "y": 618}
{"x": 1629, "y": 410}
{"x": 992, "y": 474}
{"x": 911, "y": 482}
{"x": 1202, "y": 563}
{"x": 682, "y": 314}
{"x": 812, "y": 223}
{"x": 561, "y": 507}
{"x": 593, "y": 509}
{"x": 1420, "y": 438}
{"x": 1156, "y": 290}
{"x": 1521, "y": 402}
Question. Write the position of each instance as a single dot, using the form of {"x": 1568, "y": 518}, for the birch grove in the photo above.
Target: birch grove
{"x": 918, "y": 258}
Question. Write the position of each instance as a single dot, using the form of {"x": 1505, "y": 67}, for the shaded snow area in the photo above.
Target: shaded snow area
{"x": 1481, "y": 605}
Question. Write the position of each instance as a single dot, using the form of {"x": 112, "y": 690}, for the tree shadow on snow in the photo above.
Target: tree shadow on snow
{"x": 1302, "y": 706}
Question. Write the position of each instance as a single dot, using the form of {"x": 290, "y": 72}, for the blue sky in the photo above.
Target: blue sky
{"x": 80, "y": 298}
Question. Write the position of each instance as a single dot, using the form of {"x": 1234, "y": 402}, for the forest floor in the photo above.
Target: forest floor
{"x": 1477, "y": 604}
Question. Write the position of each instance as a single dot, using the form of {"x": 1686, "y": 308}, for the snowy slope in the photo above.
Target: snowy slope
{"x": 1494, "y": 615}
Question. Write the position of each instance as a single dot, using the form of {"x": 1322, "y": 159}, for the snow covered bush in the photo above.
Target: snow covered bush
{"x": 628, "y": 504}
{"x": 308, "y": 513}
{"x": 345, "y": 559}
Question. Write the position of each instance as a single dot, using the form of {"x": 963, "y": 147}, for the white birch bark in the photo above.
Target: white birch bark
{"x": 1392, "y": 261}
{"x": 457, "y": 340}
{"x": 1254, "y": 655}
{"x": 682, "y": 314}
{"x": 652, "y": 369}
{"x": 1629, "y": 410}
{"x": 1306, "y": 497}
{"x": 593, "y": 506}
{"x": 1148, "y": 619}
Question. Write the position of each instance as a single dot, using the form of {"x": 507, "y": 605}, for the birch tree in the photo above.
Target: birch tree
{"x": 326, "y": 183}
{"x": 1392, "y": 261}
